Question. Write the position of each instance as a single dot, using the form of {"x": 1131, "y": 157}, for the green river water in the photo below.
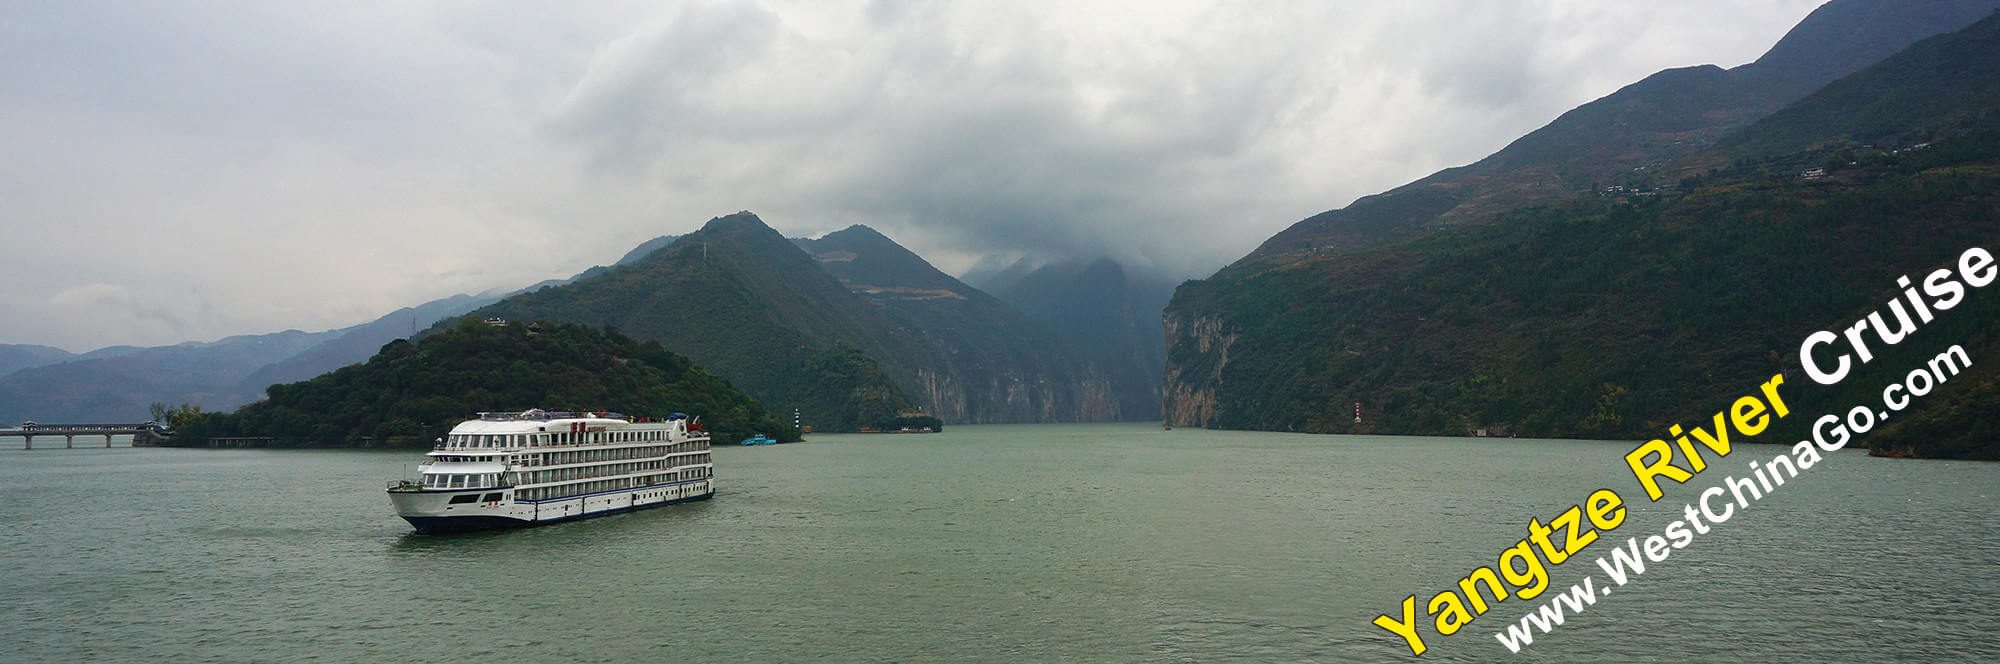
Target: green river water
{"x": 998, "y": 543}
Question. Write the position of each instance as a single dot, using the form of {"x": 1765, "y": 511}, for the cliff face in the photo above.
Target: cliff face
{"x": 1193, "y": 373}
{"x": 983, "y": 361}
{"x": 1109, "y": 314}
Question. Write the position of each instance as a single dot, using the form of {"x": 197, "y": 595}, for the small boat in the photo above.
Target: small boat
{"x": 759, "y": 439}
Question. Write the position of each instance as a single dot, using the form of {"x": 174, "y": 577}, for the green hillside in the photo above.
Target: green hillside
{"x": 411, "y": 393}
{"x": 1111, "y": 314}
{"x": 1616, "y": 316}
{"x": 997, "y": 354}
{"x": 1630, "y": 133}
{"x": 1940, "y": 86}
{"x": 742, "y": 300}
{"x": 1596, "y": 319}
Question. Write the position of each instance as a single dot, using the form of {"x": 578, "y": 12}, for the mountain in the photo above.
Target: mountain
{"x": 120, "y": 388}
{"x": 1846, "y": 36}
{"x": 1113, "y": 316}
{"x": 120, "y": 383}
{"x": 646, "y": 249}
{"x": 1944, "y": 85}
{"x": 354, "y": 344}
{"x": 974, "y": 333}
{"x": 411, "y": 393}
{"x": 995, "y": 273}
{"x": 1627, "y": 134}
{"x": 870, "y": 263}
{"x": 1614, "y": 316}
{"x": 747, "y": 303}
{"x": 15, "y": 357}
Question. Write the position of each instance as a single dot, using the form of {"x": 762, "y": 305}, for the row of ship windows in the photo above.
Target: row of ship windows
{"x": 557, "y": 475}
{"x": 462, "y": 499}
{"x": 587, "y": 456}
{"x": 494, "y": 441}
{"x": 564, "y": 474}
{"x": 461, "y": 481}
{"x": 545, "y": 493}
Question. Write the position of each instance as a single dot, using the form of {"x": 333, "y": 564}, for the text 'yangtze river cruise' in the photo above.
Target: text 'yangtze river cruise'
{"x": 506, "y": 470}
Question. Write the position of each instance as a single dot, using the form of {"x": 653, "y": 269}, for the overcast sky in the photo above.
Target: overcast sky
{"x": 174, "y": 171}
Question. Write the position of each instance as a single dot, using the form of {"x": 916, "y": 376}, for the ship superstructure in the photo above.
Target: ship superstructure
{"x": 507, "y": 470}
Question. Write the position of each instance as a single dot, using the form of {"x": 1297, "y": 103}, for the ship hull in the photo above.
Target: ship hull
{"x": 432, "y": 512}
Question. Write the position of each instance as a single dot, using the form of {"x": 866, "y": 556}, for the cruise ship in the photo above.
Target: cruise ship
{"x": 507, "y": 470}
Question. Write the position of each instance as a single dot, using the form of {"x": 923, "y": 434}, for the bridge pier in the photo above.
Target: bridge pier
{"x": 31, "y": 440}
{"x": 69, "y": 441}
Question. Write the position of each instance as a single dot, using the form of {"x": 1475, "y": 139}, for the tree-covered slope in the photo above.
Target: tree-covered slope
{"x": 118, "y": 386}
{"x": 1942, "y": 85}
{"x": 15, "y": 357}
{"x": 750, "y": 305}
{"x": 1616, "y": 316}
{"x": 411, "y": 393}
{"x": 352, "y": 345}
{"x": 985, "y": 352}
{"x": 1594, "y": 319}
{"x": 739, "y": 299}
{"x": 1111, "y": 313}
{"x": 1631, "y": 132}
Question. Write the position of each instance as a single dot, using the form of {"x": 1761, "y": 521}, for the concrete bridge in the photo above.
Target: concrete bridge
{"x": 145, "y": 434}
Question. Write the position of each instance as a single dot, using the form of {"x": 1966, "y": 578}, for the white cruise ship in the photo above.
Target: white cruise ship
{"x": 506, "y": 470}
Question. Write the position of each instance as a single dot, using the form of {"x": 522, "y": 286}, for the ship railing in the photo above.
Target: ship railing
{"x": 537, "y": 414}
{"x": 405, "y": 485}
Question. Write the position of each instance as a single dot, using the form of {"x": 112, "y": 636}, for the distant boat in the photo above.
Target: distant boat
{"x": 759, "y": 439}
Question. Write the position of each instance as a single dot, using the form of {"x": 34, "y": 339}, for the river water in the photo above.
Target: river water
{"x": 998, "y": 543}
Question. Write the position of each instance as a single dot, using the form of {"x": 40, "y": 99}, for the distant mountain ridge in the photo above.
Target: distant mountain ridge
{"x": 984, "y": 333}
{"x": 121, "y": 387}
{"x": 355, "y": 344}
{"x": 15, "y": 357}
{"x": 217, "y": 375}
{"x": 646, "y": 249}
{"x": 752, "y": 306}
{"x": 120, "y": 383}
{"x": 1645, "y": 125}
{"x": 1939, "y": 86}
{"x": 1111, "y": 314}
{"x": 410, "y": 393}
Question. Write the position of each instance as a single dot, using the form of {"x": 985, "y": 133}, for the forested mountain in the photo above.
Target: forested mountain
{"x": 1617, "y": 314}
{"x": 119, "y": 383}
{"x": 353, "y": 344}
{"x": 740, "y": 299}
{"x": 412, "y": 393}
{"x": 646, "y": 249}
{"x": 15, "y": 357}
{"x": 1111, "y": 314}
{"x": 985, "y": 334}
{"x": 1623, "y": 137}
{"x": 119, "y": 388}
{"x": 1941, "y": 86}
{"x": 643, "y": 250}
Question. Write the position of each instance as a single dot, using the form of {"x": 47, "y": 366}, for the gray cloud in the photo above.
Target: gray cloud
{"x": 250, "y": 167}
